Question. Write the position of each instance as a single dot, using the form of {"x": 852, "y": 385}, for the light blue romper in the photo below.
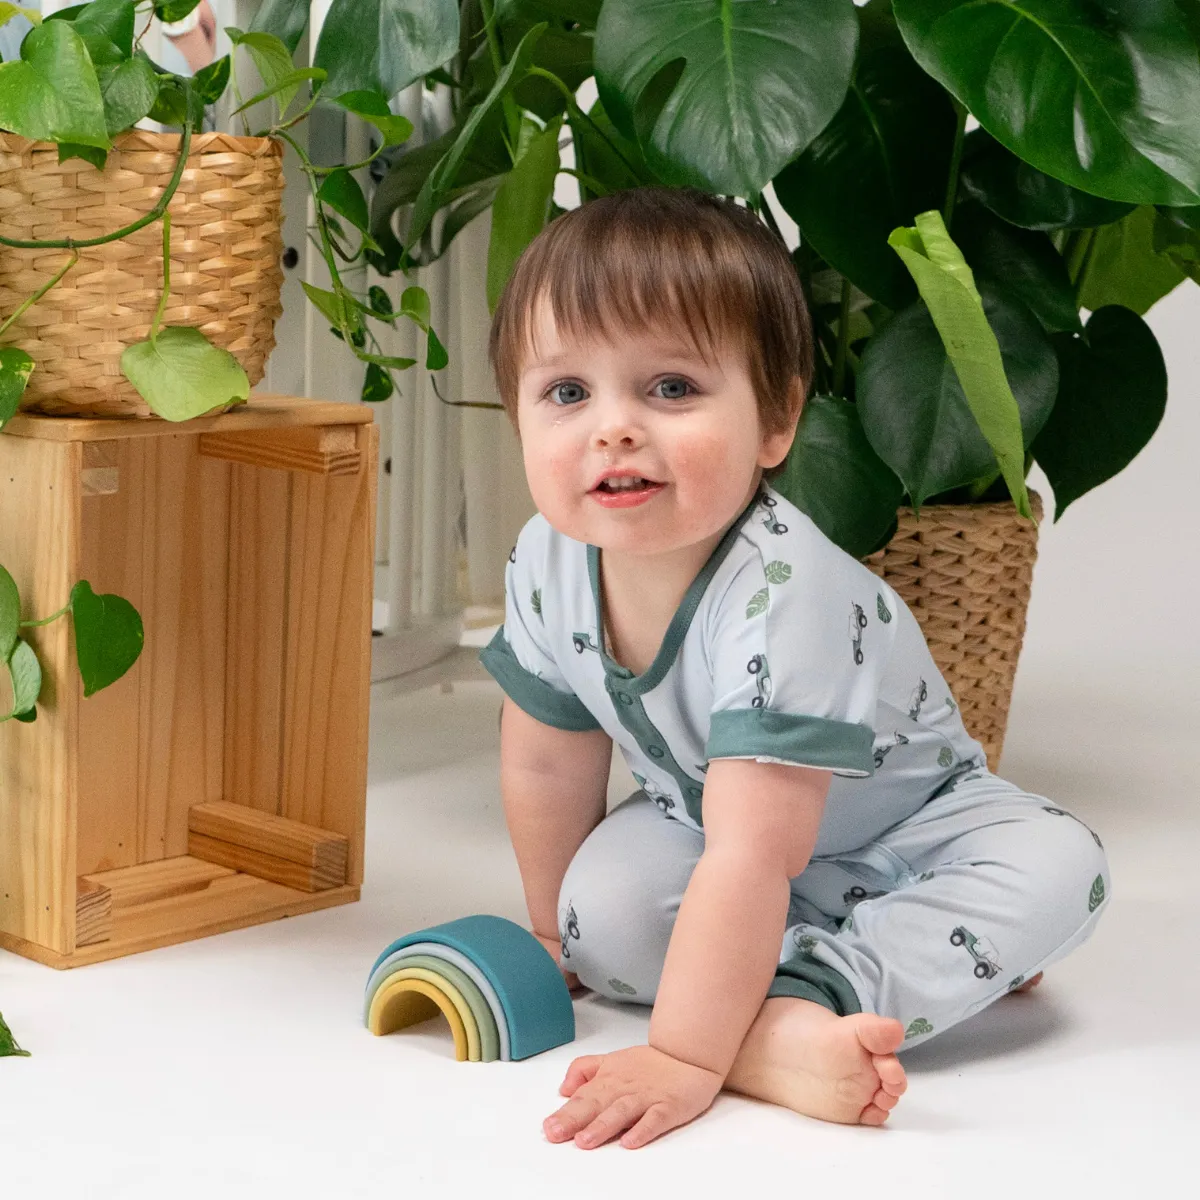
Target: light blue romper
{"x": 934, "y": 885}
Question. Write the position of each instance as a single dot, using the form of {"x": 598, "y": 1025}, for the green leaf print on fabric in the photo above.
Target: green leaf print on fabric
{"x": 917, "y": 1028}
{"x": 778, "y": 571}
{"x": 535, "y": 601}
{"x": 884, "y": 615}
{"x": 622, "y": 988}
{"x": 1096, "y": 895}
{"x": 1016, "y": 983}
{"x": 8, "y": 1044}
{"x": 806, "y": 943}
{"x": 758, "y": 603}
{"x": 945, "y": 756}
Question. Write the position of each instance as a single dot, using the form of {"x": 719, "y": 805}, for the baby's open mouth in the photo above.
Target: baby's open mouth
{"x": 625, "y": 483}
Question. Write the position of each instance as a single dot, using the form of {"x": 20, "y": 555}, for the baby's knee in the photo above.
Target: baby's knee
{"x": 1068, "y": 865}
{"x": 614, "y": 935}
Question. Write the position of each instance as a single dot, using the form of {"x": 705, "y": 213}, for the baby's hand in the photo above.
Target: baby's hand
{"x": 641, "y": 1090}
{"x": 554, "y": 949}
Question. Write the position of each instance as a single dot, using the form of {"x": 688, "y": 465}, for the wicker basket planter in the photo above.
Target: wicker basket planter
{"x": 225, "y": 259}
{"x": 965, "y": 571}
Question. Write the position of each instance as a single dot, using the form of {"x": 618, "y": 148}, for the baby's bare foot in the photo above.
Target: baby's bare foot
{"x": 806, "y": 1058}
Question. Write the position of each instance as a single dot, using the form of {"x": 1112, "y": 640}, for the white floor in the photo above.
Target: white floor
{"x": 238, "y": 1066}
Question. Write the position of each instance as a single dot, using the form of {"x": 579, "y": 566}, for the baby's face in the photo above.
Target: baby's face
{"x": 650, "y": 409}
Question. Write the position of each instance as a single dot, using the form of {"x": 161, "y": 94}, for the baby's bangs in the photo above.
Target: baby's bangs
{"x": 673, "y": 286}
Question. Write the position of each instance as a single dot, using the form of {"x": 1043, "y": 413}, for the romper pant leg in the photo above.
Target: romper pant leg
{"x": 980, "y": 889}
{"x": 620, "y": 896}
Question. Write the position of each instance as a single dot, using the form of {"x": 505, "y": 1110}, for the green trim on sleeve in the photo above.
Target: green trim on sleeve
{"x": 808, "y": 978}
{"x": 539, "y": 699}
{"x": 806, "y": 741}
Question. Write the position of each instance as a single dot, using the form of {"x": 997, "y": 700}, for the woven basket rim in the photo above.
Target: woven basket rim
{"x": 990, "y": 506}
{"x": 151, "y": 140}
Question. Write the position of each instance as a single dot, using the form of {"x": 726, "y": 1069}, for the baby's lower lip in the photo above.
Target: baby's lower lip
{"x": 625, "y": 499}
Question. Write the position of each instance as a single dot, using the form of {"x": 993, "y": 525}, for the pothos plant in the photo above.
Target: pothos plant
{"x": 82, "y": 79}
{"x": 977, "y": 296}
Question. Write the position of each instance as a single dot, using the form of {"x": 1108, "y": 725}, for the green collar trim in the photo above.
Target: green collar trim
{"x": 680, "y": 622}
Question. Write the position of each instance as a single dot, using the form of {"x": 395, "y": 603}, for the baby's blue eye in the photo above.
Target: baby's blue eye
{"x": 567, "y": 393}
{"x": 673, "y": 389}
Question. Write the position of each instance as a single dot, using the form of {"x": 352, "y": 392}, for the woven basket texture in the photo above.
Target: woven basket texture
{"x": 965, "y": 571}
{"x": 225, "y": 259}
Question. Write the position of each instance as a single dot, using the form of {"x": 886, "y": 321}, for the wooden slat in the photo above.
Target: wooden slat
{"x": 321, "y": 449}
{"x": 265, "y": 866}
{"x": 152, "y": 745}
{"x": 328, "y": 668}
{"x": 39, "y": 546}
{"x": 148, "y": 883}
{"x": 259, "y": 509}
{"x": 277, "y": 836}
{"x": 232, "y": 901}
{"x": 262, "y": 411}
{"x": 93, "y": 913}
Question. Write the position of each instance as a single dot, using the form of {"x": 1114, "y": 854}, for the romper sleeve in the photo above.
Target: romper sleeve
{"x": 797, "y": 652}
{"x": 519, "y": 657}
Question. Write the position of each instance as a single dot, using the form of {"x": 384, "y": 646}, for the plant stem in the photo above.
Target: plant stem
{"x": 767, "y": 213}
{"x": 839, "y": 361}
{"x": 593, "y": 185}
{"x": 960, "y": 112}
{"x": 166, "y": 290}
{"x": 153, "y": 215}
{"x": 1084, "y": 254}
{"x": 577, "y": 113}
{"x": 29, "y": 303}
{"x": 459, "y": 403}
{"x": 1074, "y": 249}
{"x": 511, "y": 117}
{"x": 62, "y": 612}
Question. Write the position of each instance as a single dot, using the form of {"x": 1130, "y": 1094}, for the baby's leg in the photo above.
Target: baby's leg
{"x": 991, "y": 885}
{"x": 620, "y": 897}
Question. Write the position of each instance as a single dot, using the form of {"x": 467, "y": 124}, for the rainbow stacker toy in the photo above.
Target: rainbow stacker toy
{"x": 493, "y": 981}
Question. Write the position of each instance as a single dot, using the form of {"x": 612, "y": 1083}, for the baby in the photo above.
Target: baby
{"x": 818, "y": 868}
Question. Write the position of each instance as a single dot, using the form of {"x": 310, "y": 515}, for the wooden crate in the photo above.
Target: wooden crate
{"x": 222, "y": 781}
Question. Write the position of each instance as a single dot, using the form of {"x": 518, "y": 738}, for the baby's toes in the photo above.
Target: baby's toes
{"x": 891, "y": 1074}
{"x": 885, "y": 1100}
{"x": 873, "y": 1115}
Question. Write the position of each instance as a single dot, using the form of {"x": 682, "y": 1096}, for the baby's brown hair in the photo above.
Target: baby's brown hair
{"x": 655, "y": 257}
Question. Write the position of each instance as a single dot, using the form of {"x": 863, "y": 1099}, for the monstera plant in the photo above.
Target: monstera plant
{"x": 990, "y": 195}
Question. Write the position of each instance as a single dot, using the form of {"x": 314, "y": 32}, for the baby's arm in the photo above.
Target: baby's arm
{"x": 555, "y": 784}
{"x": 760, "y": 826}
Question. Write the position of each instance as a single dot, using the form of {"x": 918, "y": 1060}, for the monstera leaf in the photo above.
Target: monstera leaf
{"x": 1025, "y": 196}
{"x": 948, "y": 289}
{"x": 834, "y": 476}
{"x": 913, "y": 405}
{"x": 882, "y": 159}
{"x": 1111, "y": 397}
{"x": 384, "y": 45}
{"x": 1105, "y": 97}
{"x": 722, "y": 94}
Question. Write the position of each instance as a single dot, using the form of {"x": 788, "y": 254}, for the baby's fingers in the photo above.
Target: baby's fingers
{"x": 615, "y": 1119}
{"x": 656, "y": 1120}
{"x": 580, "y": 1072}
